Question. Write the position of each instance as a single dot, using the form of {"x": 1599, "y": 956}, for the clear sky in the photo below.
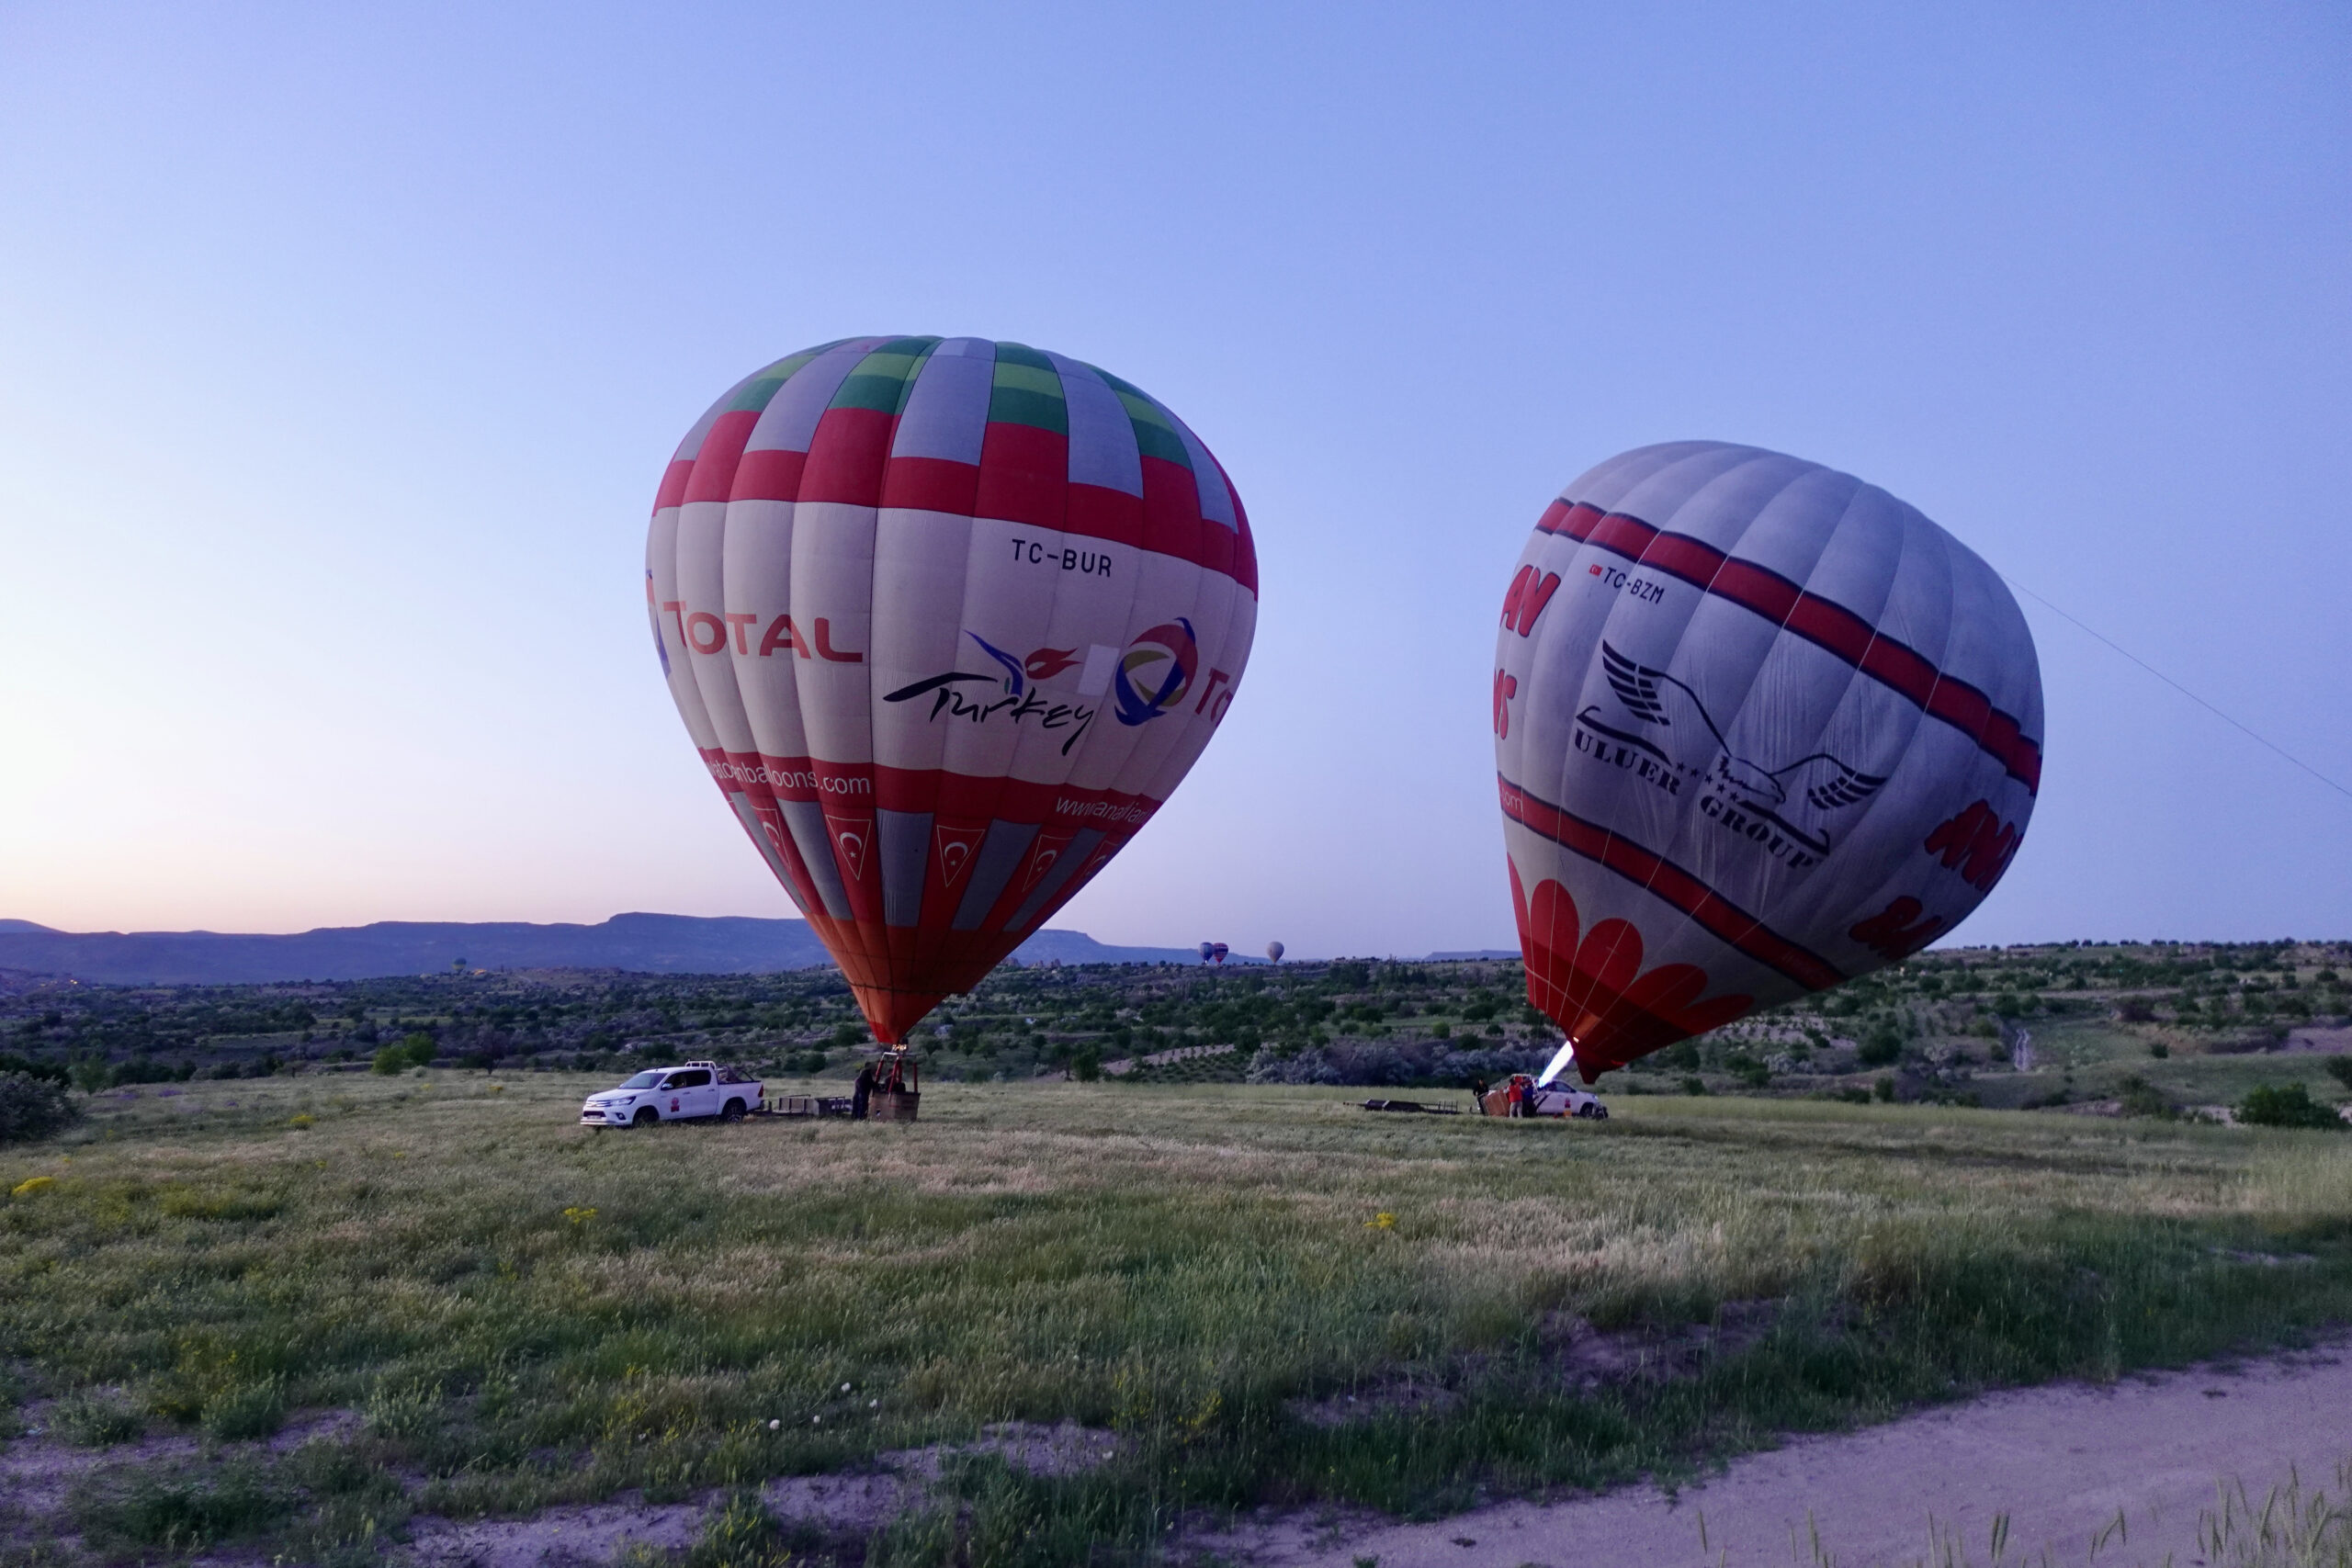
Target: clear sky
{"x": 342, "y": 347}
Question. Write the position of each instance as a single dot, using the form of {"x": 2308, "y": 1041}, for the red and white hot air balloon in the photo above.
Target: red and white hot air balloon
{"x": 1760, "y": 728}
{"x": 947, "y": 620}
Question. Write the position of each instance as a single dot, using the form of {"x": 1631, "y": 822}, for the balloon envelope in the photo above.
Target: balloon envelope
{"x": 1759, "y": 727}
{"x": 947, "y": 619}
{"x": 1275, "y": 951}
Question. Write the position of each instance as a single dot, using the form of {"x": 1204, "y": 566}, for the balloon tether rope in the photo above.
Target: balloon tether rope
{"x": 2177, "y": 686}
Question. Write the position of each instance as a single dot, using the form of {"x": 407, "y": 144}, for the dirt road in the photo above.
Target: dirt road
{"x": 2061, "y": 1462}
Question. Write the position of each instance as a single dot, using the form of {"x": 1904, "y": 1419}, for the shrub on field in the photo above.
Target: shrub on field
{"x": 1880, "y": 1046}
{"x": 95, "y": 1421}
{"x": 414, "y": 1051}
{"x": 33, "y": 1107}
{"x": 2287, "y": 1105}
{"x": 246, "y": 1411}
{"x": 2340, "y": 1069}
{"x": 180, "y": 1511}
{"x": 2243, "y": 1045}
{"x": 742, "y": 1535}
{"x": 2137, "y": 1096}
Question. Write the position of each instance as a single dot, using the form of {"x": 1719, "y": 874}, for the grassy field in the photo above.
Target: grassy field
{"x": 523, "y": 1314}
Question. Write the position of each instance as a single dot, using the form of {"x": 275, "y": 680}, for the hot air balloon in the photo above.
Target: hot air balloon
{"x": 1759, "y": 728}
{"x": 947, "y": 619}
{"x": 1218, "y": 952}
{"x": 1275, "y": 951}
{"x": 1208, "y": 950}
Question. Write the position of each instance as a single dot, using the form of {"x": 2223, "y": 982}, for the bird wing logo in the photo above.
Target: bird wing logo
{"x": 1015, "y": 672}
{"x": 1842, "y": 785}
{"x": 1657, "y": 701}
{"x": 1637, "y": 686}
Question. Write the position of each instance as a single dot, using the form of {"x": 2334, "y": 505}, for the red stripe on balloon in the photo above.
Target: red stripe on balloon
{"x": 1171, "y": 509}
{"x": 948, "y": 793}
{"x": 1010, "y": 800}
{"x": 769, "y": 475}
{"x": 1101, "y": 512}
{"x": 931, "y": 484}
{"x": 1024, "y": 473}
{"x": 1245, "y": 546}
{"x": 1718, "y": 915}
{"x": 714, "y": 475}
{"x": 1822, "y": 622}
{"x": 940, "y": 484}
{"x": 847, "y": 455}
{"x": 673, "y": 484}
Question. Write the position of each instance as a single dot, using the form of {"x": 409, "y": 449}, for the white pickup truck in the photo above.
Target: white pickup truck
{"x": 673, "y": 1094}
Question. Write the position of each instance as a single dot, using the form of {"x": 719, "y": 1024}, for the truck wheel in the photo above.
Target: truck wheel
{"x": 1590, "y": 1112}
{"x": 646, "y": 1117}
{"x": 734, "y": 1111}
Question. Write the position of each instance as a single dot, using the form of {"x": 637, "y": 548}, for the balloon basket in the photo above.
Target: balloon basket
{"x": 899, "y": 1106}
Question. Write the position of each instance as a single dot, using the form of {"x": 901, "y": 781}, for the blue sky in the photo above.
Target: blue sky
{"x": 345, "y": 346}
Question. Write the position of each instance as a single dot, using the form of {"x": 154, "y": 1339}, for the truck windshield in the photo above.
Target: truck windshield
{"x": 644, "y": 1081}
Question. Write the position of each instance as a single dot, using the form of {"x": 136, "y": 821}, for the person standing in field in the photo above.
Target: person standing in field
{"x": 862, "y": 1093}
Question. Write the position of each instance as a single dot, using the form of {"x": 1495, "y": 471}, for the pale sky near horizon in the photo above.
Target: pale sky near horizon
{"x": 345, "y": 346}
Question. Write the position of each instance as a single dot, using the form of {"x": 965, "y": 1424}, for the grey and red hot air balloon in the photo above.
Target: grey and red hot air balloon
{"x": 947, "y": 619}
{"x": 1759, "y": 727}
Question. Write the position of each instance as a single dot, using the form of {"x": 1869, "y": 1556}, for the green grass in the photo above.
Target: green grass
{"x": 523, "y": 1313}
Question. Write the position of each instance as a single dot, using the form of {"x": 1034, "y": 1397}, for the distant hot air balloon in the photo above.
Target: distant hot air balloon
{"x": 1760, "y": 728}
{"x": 1275, "y": 951}
{"x": 1208, "y": 950}
{"x": 1218, "y": 952}
{"x": 947, "y": 620}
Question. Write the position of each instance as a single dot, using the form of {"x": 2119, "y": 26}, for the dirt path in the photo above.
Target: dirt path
{"x": 2062, "y": 1461}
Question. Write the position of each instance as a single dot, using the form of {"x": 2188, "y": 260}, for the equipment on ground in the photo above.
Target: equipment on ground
{"x": 810, "y": 1105}
{"x": 1411, "y": 1107}
{"x": 947, "y": 621}
{"x": 1759, "y": 728}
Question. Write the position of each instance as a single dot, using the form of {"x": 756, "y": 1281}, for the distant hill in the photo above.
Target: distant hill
{"x": 660, "y": 944}
{"x": 1512, "y": 953}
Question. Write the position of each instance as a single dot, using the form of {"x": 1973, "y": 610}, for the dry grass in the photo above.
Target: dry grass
{"x": 1181, "y": 1263}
